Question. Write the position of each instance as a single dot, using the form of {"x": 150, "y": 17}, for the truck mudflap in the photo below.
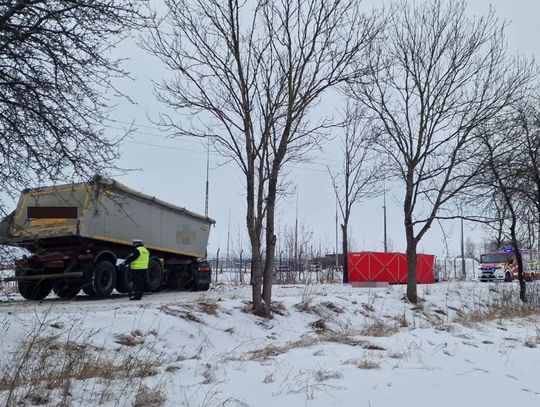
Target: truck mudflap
{"x": 204, "y": 276}
{"x": 193, "y": 275}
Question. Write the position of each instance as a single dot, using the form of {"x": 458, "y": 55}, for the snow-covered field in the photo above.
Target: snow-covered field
{"x": 468, "y": 344}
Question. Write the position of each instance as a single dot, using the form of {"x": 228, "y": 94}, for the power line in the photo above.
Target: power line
{"x": 214, "y": 154}
{"x": 184, "y": 138}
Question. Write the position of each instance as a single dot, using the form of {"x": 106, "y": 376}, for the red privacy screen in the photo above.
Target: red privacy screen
{"x": 388, "y": 267}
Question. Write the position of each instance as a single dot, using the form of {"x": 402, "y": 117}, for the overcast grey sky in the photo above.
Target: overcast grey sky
{"x": 175, "y": 170}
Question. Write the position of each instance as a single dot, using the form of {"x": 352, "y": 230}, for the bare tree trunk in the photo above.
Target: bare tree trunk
{"x": 345, "y": 252}
{"x": 517, "y": 253}
{"x": 412, "y": 261}
{"x": 256, "y": 273}
{"x": 253, "y": 220}
{"x": 412, "y": 242}
{"x": 270, "y": 242}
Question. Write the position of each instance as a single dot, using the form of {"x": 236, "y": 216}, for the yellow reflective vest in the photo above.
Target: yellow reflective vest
{"x": 141, "y": 262}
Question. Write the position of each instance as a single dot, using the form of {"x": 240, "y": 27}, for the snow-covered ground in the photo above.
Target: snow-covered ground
{"x": 468, "y": 344}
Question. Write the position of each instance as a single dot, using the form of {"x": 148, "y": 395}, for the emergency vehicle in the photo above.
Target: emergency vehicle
{"x": 502, "y": 265}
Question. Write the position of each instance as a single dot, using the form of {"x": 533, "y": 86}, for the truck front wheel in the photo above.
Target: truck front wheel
{"x": 35, "y": 290}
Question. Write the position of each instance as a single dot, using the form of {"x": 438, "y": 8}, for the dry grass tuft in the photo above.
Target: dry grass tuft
{"x": 319, "y": 326}
{"x": 368, "y": 364}
{"x": 332, "y": 307}
{"x": 181, "y": 313}
{"x": 530, "y": 343}
{"x": 208, "y": 307}
{"x": 131, "y": 340}
{"x": 274, "y": 350}
{"x": 305, "y": 306}
{"x": 147, "y": 397}
{"x": 208, "y": 374}
{"x": 372, "y": 346}
{"x": 323, "y": 375}
{"x": 397, "y": 354}
{"x": 364, "y": 363}
{"x": 279, "y": 308}
{"x": 268, "y": 352}
{"x": 378, "y": 328}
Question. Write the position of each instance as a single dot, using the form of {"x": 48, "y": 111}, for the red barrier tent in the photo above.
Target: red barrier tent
{"x": 388, "y": 267}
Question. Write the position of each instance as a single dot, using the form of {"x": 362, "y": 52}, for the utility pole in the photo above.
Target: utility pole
{"x": 228, "y": 239}
{"x": 337, "y": 242}
{"x": 207, "y": 173}
{"x": 384, "y": 218}
{"x": 463, "y": 273}
{"x": 296, "y": 234}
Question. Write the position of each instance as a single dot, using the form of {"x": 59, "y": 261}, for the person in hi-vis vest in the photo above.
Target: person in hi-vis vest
{"x": 138, "y": 264}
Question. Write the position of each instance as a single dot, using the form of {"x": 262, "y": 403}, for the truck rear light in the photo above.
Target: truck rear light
{"x": 205, "y": 269}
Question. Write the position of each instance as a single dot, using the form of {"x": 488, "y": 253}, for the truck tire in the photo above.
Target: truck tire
{"x": 123, "y": 281}
{"x": 35, "y": 290}
{"x": 66, "y": 290}
{"x": 103, "y": 280}
{"x": 154, "y": 276}
{"x": 508, "y": 277}
{"x": 203, "y": 287}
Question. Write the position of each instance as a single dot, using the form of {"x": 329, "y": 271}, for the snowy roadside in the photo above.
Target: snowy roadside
{"x": 468, "y": 343}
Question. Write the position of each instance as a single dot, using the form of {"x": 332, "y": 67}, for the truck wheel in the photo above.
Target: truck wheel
{"x": 89, "y": 290}
{"x": 104, "y": 279}
{"x": 66, "y": 290}
{"x": 508, "y": 277}
{"x": 203, "y": 287}
{"x": 35, "y": 291}
{"x": 153, "y": 276}
{"x": 123, "y": 281}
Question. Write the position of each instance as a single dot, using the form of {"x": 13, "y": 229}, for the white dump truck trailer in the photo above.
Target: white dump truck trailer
{"x": 75, "y": 233}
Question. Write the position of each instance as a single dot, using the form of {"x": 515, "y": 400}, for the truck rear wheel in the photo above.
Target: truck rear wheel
{"x": 35, "y": 290}
{"x": 203, "y": 287}
{"x": 66, "y": 290}
{"x": 154, "y": 276}
{"x": 123, "y": 281}
{"x": 103, "y": 280}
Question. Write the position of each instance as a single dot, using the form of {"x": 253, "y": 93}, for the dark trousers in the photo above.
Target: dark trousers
{"x": 138, "y": 282}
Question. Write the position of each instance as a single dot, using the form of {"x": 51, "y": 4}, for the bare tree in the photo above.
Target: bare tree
{"x": 443, "y": 75}
{"x": 55, "y": 67}
{"x": 247, "y": 74}
{"x": 499, "y": 144}
{"x": 528, "y": 158}
{"x": 360, "y": 175}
